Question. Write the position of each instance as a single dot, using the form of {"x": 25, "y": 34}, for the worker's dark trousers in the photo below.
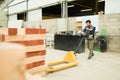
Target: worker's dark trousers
{"x": 90, "y": 44}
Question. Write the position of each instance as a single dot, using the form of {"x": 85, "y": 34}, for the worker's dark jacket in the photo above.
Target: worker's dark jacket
{"x": 89, "y": 31}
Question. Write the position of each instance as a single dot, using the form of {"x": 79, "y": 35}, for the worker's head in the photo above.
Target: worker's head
{"x": 11, "y": 61}
{"x": 88, "y": 23}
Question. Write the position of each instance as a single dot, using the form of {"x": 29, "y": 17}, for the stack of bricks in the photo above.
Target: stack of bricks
{"x": 33, "y": 39}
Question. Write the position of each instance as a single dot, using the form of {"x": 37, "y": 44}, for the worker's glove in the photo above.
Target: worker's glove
{"x": 90, "y": 37}
{"x": 83, "y": 33}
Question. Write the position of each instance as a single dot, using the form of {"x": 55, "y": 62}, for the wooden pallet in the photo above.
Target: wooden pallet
{"x": 33, "y": 39}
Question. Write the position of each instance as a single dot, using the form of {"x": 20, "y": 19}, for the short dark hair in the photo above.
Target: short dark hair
{"x": 88, "y": 21}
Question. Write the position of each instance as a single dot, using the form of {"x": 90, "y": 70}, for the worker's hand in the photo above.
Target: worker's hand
{"x": 90, "y": 37}
{"x": 83, "y": 33}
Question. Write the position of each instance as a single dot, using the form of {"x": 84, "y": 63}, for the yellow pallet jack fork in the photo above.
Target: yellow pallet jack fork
{"x": 69, "y": 59}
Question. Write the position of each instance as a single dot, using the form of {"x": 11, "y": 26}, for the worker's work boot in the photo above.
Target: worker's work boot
{"x": 93, "y": 54}
{"x": 89, "y": 57}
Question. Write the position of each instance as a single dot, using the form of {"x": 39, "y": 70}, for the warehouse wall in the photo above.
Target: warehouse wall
{"x": 15, "y": 2}
{"x": 112, "y": 6}
{"x": 72, "y": 23}
{"x": 3, "y": 19}
{"x": 35, "y": 15}
{"x": 13, "y": 22}
{"x": 53, "y": 25}
{"x": 50, "y": 25}
{"x": 40, "y": 3}
{"x": 17, "y": 8}
{"x": 111, "y": 23}
{"x": 12, "y": 17}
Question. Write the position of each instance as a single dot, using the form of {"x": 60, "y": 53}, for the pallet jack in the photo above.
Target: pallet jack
{"x": 70, "y": 60}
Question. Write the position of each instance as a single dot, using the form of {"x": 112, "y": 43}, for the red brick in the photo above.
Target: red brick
{"x": 24, "y": 43}
{"x": 40, "y": 63}
{"x": 2, "y": 37}
{"x": 42, "y": 31}
{"x": 12, "y": 31}
{"x": 43, "y": 52}
{"x": 32, "y": 31}
{"x": 29, "y": 66}
{"x": 35, "y": 31}
{"x": 37, "y": 53}
{"x": 33, "y": 42}
{"x": 40, "y": 42}
{"x": 30, "y": 42}
{"x": 31, "y": 54}
{"x": 35, "y": 64}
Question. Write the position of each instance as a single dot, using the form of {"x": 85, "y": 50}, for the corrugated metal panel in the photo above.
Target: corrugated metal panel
{"x": 112, "y": 6}
{"x": 12, "y": 17}
{"x": 40, "y": 3}
{"x": 15, "y": 2}
{"x": 17, "y": 8}
{"x": 36, "y": 13}
{"x": 20, "y": 6}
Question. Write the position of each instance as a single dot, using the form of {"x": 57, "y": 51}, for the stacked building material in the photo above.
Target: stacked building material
{"x": 33, "y": 39}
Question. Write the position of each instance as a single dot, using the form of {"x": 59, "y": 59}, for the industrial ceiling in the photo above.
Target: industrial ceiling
{"x": 76, "y": 8}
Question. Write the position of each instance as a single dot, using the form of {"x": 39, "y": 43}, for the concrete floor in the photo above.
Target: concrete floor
{"x": 103, "y": 66}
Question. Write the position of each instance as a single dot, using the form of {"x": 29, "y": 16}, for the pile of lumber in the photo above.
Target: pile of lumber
{"x": 33, "y": 39}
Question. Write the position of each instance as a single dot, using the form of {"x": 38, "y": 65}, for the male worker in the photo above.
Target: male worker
{"x": 88, "y": 32}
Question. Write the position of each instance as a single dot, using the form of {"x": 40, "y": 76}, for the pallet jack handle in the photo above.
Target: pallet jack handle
{"x": 83, "y": 37}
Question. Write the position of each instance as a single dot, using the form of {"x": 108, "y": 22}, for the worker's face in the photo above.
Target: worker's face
{"x": 88, "y": 24}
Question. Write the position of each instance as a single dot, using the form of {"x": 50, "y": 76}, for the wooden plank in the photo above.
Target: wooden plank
{"x": 25, "y": 37}
{"x": 35, "y": 48}
{"x": 39, "y": 63}
{"x": 29, "y": 76}
{"x": 34, "y": 59}
{"x": 21, "y": 31}
{"x": 4, "y": 31}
